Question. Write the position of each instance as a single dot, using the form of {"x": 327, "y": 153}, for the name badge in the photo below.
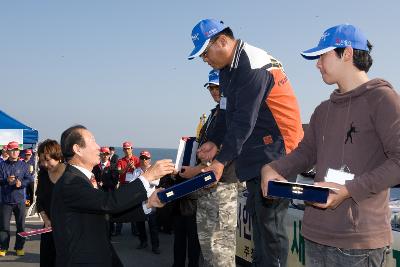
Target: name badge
{"x": 222, "y": 103}
{"x": 129, "y": 177}
{"x": 338, "y": 176}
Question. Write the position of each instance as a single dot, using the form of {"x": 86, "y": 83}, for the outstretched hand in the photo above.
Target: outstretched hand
{"x": 216, "y": 167}
{"x": 154, "y": 201}
{"x": 189, "y": 172}
{"x": 207, "y": 151}
{"x": 159, "y": 169}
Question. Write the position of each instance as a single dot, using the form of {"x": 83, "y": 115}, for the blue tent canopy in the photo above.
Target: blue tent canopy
{"x": 7, "y": 122}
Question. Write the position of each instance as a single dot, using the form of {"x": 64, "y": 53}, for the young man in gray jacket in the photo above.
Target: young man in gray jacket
{"x": 353, "y": 140}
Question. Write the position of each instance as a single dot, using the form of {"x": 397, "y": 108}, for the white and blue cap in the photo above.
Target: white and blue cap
{"x": 202, "y": 33}
{"x": 343, "y": 35}
{"x": 213, "y": 78}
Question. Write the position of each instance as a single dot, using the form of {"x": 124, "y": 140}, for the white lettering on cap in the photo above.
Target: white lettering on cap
{"x": 211, "y": 32}
{"x": 195, "y": 37}
{"x": 326, "y": 34}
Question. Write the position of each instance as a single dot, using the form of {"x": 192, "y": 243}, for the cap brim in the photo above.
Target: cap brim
{"x": 214, "y": 83}
{"x": 197, "y": 51}
{"x": 316, "y": 52}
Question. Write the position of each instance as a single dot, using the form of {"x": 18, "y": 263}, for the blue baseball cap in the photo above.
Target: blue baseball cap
{"x": 202, "y": 33}
{"x": 343, "y": 35}
{"x": 213, "y": 78}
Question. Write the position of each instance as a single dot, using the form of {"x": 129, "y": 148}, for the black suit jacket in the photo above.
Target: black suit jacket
{"x": 114, "y": 159}
{"x": 107, "y": 176}
{"x": 78, "y": 218}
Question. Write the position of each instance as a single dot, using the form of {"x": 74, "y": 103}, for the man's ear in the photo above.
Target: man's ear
{"x": 223, "y": 41}
{"x": 76, "y": 148}
{"x": 348, "y": 54}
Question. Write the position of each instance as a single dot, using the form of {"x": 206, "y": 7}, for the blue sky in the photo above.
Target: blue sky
{"x": 120, "y": 67}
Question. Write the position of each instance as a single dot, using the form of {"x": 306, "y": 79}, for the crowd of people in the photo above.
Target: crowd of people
{"x": 253, "y": 135}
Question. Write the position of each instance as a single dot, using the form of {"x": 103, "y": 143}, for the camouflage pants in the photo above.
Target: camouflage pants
{"x": 216, "y": 224}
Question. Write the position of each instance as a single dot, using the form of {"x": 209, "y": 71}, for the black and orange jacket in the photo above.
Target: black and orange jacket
{"x": 262, "y": 113}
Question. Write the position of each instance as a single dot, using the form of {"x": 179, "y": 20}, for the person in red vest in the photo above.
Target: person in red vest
{"x": 126, "y": 166}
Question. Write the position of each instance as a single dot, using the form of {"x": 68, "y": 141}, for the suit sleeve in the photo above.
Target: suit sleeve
{"x": 249, "y": 94}
{"x": 80, "y": 196}
{"x": 134, "y": 214}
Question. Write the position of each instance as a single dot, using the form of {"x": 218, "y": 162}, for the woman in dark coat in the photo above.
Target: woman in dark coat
{"x": 52, "y": 167}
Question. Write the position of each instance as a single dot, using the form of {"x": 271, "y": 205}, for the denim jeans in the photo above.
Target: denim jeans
{"x": 269, "y": 231}
{"x": 318, "y": 255}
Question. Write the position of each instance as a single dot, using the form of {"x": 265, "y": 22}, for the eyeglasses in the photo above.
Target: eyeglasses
{"x": 204, "y": 54}
{"x": 126, "y": 148}
{"x": 143, "y": 158}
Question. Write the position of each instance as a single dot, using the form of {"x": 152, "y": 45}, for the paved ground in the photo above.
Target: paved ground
{"x": 125, "y": 245}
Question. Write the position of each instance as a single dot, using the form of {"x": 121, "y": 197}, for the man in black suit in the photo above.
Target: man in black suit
{"x": 79, "y": 210}
{"x": 113, "y": 157}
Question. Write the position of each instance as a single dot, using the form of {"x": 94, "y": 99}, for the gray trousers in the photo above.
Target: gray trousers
{"x": 318, "y": 255}
{"x": 270, "y": 239}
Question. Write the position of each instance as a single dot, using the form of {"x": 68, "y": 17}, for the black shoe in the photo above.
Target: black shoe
{"x": 142, "y": 245}
{"x": 156, "y": 251}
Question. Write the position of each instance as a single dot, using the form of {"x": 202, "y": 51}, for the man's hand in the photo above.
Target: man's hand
{"x": 207, "y": 151}
{"x": 47, "y": 222}
{"x": 154, "y": 201}
{"x": 335, "y": 198}
{"x": 269, "y": 174}
{"x": 11, "y": 179}
{"x": 159, "y": 169}
{"x": 131, "y": 165}
{"x": 216, "y": 167}
{"x": 18, "y": 183}
{"x": 188, "y": 172}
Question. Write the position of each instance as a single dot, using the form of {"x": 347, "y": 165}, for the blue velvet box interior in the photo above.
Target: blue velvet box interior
{"x": 187, "y": 187}
{"x": 298, "y": 191}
